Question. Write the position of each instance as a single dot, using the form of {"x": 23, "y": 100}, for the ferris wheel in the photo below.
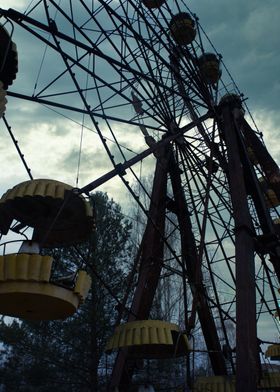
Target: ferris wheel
{"x": 148, "y": 82}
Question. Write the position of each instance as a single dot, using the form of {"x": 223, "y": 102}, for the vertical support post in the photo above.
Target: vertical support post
{"x": 151, "y": 260}
{"x": 246, "y": 331}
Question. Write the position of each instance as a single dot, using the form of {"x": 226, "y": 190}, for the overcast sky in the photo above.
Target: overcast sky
{"x": 246, "y": 33}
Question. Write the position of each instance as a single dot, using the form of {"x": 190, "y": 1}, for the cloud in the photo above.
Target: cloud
{"x": 269, "y": 123}
{"x": 246, "y": 33}
{"x": 17, "y": 4}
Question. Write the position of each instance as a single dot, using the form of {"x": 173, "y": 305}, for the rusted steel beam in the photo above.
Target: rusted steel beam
{"x": 246, "y": 333}
{"x": 151, "y": 262}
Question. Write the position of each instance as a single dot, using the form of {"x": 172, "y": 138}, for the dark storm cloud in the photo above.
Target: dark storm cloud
{"x": 247, "y": 35}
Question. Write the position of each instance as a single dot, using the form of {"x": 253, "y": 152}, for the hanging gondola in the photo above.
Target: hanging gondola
{"x": 273, "y": 352}
{"x": 8, "y": 58}
{"x": 209, "y": 66}
{"x": 271, "y": 197}
{"x": 59, "y": 217}
{"x": 269, "y": 381}
{"x": 149, "y": 339}
{"x": 153, "y": 3}
{"x": 182, "y": 28}
{"x": 27, "y": 290}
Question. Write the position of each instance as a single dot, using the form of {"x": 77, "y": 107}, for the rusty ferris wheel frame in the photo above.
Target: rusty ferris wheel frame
{"x": 205, "y": 183}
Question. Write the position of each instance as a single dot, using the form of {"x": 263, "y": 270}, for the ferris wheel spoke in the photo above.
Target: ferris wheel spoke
{"x": 213, "y": 225}
{"x": 75, "y": 109}
{"x": 200, "y": 186}
{"x": 146, "y": 44}
{"x": 149, "y": 93}
{"x": 19, "y": 18}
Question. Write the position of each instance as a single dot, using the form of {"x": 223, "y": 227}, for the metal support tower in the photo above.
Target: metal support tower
{"x": 152, "y": 250}
{"x": 246, "y": 333}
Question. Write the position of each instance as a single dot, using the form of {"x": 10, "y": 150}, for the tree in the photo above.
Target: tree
{"x": 69, "y": 354}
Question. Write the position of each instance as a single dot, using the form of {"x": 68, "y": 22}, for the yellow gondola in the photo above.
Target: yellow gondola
{"x": 149, "y": 339}
{"x": 272, "y": 199}
{"x": 153, "y": 3}
{"x": 58, "y": 215}
{"x": 8, "y": 58}
{"x": 26, "y": 289}
{"x": 215, "y": 384}
{"x": 232, "y": 100}
{"x": 273, "y": 352}
{"x": 269, "y": 380}
{"x": 209, "y": 66}
{"x": 182, "y": 28}
{"x": 270, "y": 196}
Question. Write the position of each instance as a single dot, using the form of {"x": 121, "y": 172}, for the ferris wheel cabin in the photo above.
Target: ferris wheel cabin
{"x": 209, "y": 66}
{"x": 9, "y": 58}
{"x": 182, "y": 28}
{"x": 153, "y": 3}
{"x": 30, "y": 287}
